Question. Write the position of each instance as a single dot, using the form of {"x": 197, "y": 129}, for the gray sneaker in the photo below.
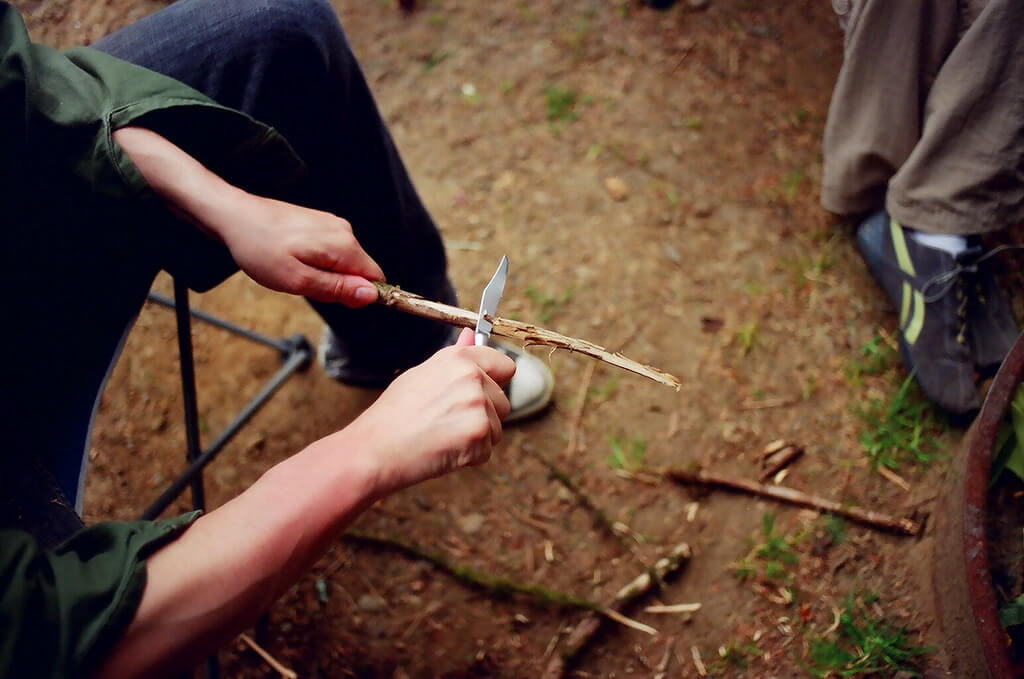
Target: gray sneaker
{"x": 925, "y": 286}
{"x": 991, "y": 328}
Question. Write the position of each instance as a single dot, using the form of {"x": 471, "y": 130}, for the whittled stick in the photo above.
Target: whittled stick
{"x": 526, "y": 332}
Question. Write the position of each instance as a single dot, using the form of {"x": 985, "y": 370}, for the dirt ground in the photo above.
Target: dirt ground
{"x": 718, "y": 266}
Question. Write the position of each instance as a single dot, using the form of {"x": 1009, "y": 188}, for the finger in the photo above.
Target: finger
{"x": 495, "y": 419}
{"x": 465, "y": 338}
{"x": 497, "y": 399}
{"x": 342, "y": 253}
{"x": 328, "y": 286}
{"x": 496, "y": 364}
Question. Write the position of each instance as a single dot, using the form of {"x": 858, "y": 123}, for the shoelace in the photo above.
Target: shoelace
{"x": 964, "y": 265}
{"x": 967, "y": 265}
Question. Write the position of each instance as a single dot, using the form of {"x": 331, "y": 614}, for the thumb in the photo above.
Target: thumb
{"x": 465, "y": 338}
{"x": 328, "y": 286}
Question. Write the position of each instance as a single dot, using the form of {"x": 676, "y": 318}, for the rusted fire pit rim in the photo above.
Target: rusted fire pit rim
{"x": 976, "y": 483}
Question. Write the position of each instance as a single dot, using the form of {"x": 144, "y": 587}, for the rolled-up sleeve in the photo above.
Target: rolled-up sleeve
{"x": 61, "y": 610}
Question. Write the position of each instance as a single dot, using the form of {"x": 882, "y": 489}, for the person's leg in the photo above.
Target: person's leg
{"x": 288, "y": 64}
{"x": 966, "y": 173}
{"x": 892, "y": 53}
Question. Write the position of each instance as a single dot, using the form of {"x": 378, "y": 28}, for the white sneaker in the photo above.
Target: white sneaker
{"x": 530, "y": 389}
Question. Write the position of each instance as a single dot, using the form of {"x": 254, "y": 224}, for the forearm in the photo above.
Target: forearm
{"x": 228, "y": 567}
{"x": 190, "y": 190}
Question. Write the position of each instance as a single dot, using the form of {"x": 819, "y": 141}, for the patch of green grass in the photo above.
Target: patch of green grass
{"x": 746, "y": 337}
{"x": 576, "y": 38}
{"x": 434, "y": 59}
{"x": 900, "y": 431}
{"x": 606, "y": 389}
{"x": 800, "y": 115}
{"x": 864, "y": 646}
{"x": 549, "y": 304}
{"x": 774, "y": 554}
{"x": 792, "y": 183}
{"x": 561, "y": 104}
{"x": 876, "y": 357}
{"x": 835, "y": 528}
{"x": 810, "y": 386}
{"x": 693, "y": 122}
{"x": 734, "y": 655}
{"x": 626, "y": 456}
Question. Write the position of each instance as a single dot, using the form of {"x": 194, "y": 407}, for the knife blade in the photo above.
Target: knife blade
{"x": 489, "y": 303}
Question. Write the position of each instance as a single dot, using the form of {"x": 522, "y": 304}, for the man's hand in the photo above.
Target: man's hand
{"x": 229, "y": 566}
{"x": 282, "y": 246}
{"x": 294, "y": 249}
{"x": 440, "y": 416}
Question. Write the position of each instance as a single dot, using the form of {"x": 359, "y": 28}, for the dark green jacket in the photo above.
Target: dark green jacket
{"x": 61, "y": 609}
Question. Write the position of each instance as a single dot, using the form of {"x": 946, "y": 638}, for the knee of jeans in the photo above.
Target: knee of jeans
{"x": 291, "y": 23}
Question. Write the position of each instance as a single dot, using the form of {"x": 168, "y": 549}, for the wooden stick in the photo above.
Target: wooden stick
{"x": 269, "y": 659}
{"x": 796, "y": 497}
{"x": 525, "y": 332}
{"x": 779, "y": 459}
{"x": 587, "y": 629}
{"x": 494, "y": 585}
{"x": 600, "y": 518}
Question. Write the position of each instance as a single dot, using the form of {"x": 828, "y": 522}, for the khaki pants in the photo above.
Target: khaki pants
{"x": 927, "y": 116}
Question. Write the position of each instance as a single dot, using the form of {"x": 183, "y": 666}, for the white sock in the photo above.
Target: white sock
{"x": 954, "y": 245}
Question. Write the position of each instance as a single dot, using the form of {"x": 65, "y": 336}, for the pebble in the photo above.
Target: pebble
{"x": 371, "y": 603}
{"x": 703, "y": 209}
{"x": 616, "y": 188}
{"x": 470, "y": 523}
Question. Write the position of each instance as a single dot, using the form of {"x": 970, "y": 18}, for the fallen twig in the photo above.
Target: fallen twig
{"x": 778, "y": 460}
{"x": 661, "y": 671}
{"x": 575, "y": 444}
{"x": 796, "y": 497}
{"x": 600, "y": 518}
{"x": 269, "y": 659}
{"x": 492, "y": 584}
{"x": 697, "y": 662}
{"x": 673, "y": 608}
{"x": 498, "y": 586}
{"x": 638, "y": 587}
{"x": 892, "y": 477}
{"x": 525, "y": 332}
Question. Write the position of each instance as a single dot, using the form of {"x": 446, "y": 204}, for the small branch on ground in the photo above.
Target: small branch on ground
{"x": 789, "y": 495}
{"x": 575, "y": 444}
{"x": 501, "y": 587}
{"x": 492, "y": 584}
{"x": 525, "y": 332}
{"x": 779, "y": 459}
{"x": 601, "y": 519}
{"x": 640, "y": 586}
{"x": 267, "y": 658}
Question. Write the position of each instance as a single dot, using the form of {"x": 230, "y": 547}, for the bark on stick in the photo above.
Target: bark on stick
{"x": 525, "y": 332}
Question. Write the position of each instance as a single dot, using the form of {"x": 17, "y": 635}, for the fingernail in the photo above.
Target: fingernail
{"x": 366, "y": 294}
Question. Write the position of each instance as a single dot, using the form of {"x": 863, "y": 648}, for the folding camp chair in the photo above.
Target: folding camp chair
{"x": 296, "y": 354}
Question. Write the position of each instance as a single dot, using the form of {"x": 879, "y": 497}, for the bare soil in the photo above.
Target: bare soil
{"x": 718, "y": 266}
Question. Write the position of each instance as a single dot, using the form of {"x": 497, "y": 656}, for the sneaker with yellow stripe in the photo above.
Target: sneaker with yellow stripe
{"x": 932, "y": 300}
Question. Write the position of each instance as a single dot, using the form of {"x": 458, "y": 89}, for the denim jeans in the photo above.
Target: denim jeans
{"x": 286, "y": 63}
